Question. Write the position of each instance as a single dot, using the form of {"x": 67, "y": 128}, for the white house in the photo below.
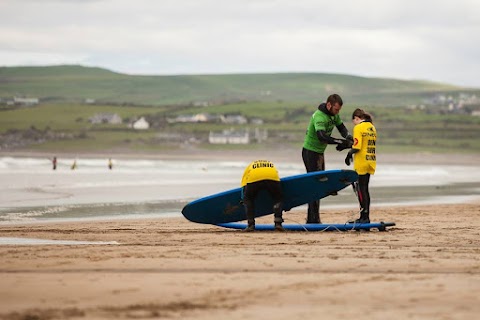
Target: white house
{"x": 234, "y": 119}
{"x": 261, "y": 135}
{"x": 197, "y": 118}
{"x": 256, "y": 121}
{"x": 229, "y": 137}
{"x": 184, "y": 119}
{"x": 111, "y": 118}
{"x": 141, "y": 124}
{"x": 25, "y": 101}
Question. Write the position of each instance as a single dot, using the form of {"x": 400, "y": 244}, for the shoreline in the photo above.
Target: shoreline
{"x": 118, "y": 212}
{"x": 172, "y": 268}
{"x": 288, "y": 154}
{"x": 31, "y": 190}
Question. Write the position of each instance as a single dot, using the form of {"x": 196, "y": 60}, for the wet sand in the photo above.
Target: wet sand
{"x": 426, "y": 267}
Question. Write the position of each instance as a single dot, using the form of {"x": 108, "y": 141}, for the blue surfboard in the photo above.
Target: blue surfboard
{"x": 297, "y": 190}
{"x": 381, "y": 226}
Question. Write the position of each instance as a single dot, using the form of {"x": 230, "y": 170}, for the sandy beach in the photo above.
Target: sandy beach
{"x": 427, "y": 267}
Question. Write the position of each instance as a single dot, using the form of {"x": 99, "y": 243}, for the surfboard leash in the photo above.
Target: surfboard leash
{"x": 300, "y": 224}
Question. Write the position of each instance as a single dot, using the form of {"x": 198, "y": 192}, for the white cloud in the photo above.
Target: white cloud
{"x": 407, "y": 39}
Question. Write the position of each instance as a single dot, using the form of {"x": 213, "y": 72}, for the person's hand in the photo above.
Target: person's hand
{"x": 348, "y": 159}
{"x": 345, "y": 144}
{"x": 349, "y": 138}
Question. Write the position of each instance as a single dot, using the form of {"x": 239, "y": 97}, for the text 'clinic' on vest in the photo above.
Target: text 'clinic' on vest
{"x": 262, "y": 164}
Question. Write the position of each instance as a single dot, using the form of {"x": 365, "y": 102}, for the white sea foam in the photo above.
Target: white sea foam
{"x": 30, "y": 182}
{"x": 423, "y": 175}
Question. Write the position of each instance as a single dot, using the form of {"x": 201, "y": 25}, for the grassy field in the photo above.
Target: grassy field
{"x": 284, "y": 102}
{"x": 74, "y": 84}
{"x": 65, "y": 116}
{"x": 398, "y": 129}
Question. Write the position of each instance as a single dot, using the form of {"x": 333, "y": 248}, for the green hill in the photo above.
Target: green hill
{"x": 283, "y": 101}
{"x": 77, "y": 83}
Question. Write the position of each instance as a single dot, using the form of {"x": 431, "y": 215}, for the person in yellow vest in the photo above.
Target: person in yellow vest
{"x": 363, "y": 155}
{"x": 261, "y": 175}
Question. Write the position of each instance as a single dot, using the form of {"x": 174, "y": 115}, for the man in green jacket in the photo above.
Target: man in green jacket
{"x": 318, "y": 137}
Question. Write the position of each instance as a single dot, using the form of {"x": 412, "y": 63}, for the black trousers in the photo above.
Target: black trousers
{"x": 364, "y": 193}
{"x": 250, "y": 192}
{"x": 313, "y": 162}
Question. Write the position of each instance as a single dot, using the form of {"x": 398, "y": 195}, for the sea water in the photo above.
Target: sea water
{"x": 31, "y": 191}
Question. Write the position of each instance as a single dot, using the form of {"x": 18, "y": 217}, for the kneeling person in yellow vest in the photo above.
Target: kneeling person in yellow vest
{"x": 261, "y": 175}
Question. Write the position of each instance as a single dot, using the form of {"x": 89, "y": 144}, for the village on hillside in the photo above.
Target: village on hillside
{"x": 227, "y": 136}
{"x": 235, "y": 128}
{"x": 468, "y": 104}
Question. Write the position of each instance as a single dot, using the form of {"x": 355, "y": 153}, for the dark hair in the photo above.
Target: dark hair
{"x": 361, "y": 114}
{"x": 335, "y": 98}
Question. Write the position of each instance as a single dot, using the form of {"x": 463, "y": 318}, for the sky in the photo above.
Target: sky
{"x": 404, "y": 39}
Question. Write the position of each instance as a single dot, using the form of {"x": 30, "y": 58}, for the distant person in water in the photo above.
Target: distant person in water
{"x": 74, "y": 165}
{"x": 110, "y": 164}
{"x": 261, "y": 175}
{"x": 54, "y": 163}
{"x": 363, "y": 155}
